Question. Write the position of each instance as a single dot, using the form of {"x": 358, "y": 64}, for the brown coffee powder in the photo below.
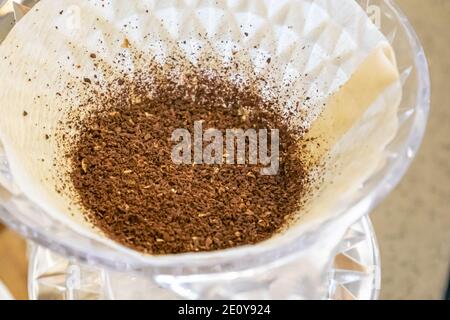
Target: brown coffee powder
{"x": 130, "y": 188}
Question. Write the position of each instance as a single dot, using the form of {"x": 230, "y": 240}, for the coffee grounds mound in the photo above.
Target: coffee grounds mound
{"x": 130, "y": 189}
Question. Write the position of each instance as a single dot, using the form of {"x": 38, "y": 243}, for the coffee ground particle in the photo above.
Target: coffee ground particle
{"x": 131, "y": 190}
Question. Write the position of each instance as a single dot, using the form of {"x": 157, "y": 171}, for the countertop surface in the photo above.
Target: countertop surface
{"x": 413, "y": 224}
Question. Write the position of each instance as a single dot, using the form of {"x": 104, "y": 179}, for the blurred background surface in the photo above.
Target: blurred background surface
{"x": 413, "y": 224}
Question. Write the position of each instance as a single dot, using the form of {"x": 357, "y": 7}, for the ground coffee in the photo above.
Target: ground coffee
{"x": 129, "y": 187}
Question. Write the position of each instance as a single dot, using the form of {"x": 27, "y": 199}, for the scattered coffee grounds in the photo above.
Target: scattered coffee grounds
{"x": 130, "y": 188}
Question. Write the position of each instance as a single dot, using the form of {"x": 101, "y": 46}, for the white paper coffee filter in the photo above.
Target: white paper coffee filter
{"x": 329, "y": 48}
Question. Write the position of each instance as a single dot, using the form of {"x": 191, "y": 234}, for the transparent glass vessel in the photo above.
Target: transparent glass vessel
{"x": 280, "y": 269}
